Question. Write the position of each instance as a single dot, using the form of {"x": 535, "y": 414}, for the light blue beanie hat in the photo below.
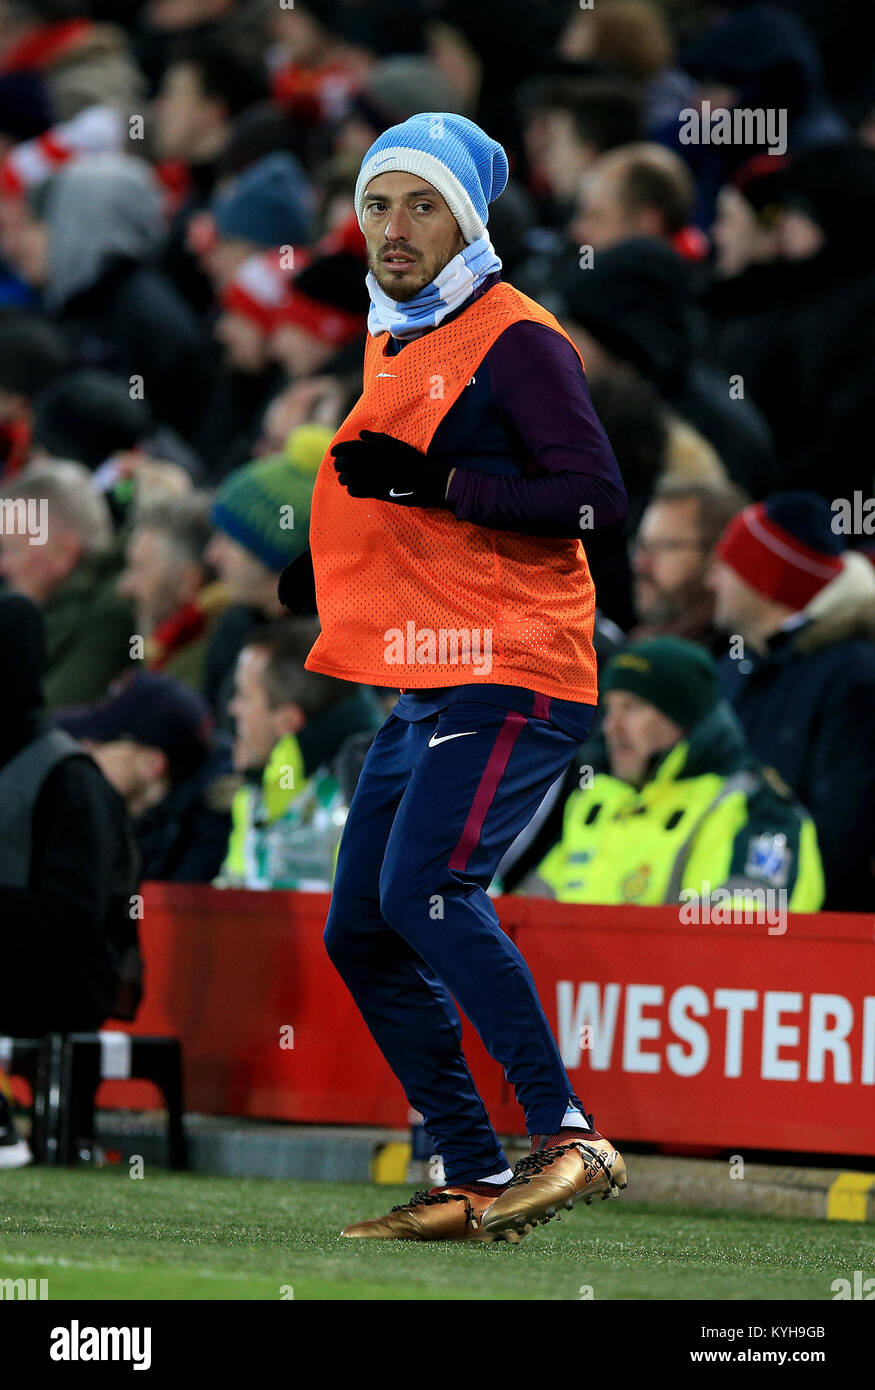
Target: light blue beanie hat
{"x": 454, "y": 155}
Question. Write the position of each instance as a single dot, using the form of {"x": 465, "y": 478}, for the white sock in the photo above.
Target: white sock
{"x": 498, "y": 1177}
{"x": 573, "y": 1119}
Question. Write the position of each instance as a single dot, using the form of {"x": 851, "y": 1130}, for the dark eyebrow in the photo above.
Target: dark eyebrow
{"x": 417, "y": 193}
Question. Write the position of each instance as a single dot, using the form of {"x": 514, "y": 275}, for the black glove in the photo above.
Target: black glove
{"x": 377, "y": 465}
{"x": 296, "y": 590}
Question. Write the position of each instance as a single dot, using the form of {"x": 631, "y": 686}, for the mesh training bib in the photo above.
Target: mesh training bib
{"x": 410, "y": 597}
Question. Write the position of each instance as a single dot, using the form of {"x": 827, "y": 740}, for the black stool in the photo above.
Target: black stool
{"x": 64, "y": 1072}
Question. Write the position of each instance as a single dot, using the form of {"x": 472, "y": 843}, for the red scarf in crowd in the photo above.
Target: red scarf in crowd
{"x": 40, "y": 48}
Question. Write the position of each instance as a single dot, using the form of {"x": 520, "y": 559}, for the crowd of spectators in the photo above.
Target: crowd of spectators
{"x": 182, "y": 323}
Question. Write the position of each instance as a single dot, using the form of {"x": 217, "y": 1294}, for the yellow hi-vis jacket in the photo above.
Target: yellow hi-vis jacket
{"x": 684, "y": 834}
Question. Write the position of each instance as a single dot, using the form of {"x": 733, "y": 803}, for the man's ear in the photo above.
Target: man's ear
{"x": 288, "y": 719}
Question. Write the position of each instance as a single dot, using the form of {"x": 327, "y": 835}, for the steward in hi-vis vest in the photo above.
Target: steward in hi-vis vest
{"x": 448, "y": 560}
{"x": 682, "y": 811}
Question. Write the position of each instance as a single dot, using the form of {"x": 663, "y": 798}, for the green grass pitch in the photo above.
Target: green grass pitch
{"x": 96, "y": 1234}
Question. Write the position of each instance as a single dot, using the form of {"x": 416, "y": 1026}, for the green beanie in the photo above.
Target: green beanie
{"x": 265, "y": 507}
{"x": 677, "y": 677}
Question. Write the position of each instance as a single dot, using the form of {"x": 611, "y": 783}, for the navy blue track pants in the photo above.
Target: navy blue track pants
{"x": 411, "y": 926}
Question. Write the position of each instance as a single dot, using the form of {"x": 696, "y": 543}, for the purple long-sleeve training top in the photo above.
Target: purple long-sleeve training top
{"x": 528, "y": 448}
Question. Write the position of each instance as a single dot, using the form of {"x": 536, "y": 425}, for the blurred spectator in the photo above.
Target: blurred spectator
{"x": 803, "y": 685}
{"x": 325, "y": 311}
{"x": 33, "y": 351}
{"x": 804, "y": 328}
{"x": 636, "y": 422}
{"x": 247, "y": 378}
{"x": 259, "y": 130}
{"x": 271, "y": 205}
{"x": 632, "y": 37}
{"x": 177, "y": 602}
{"x": 317, "y": 67}
{"x": 207, "y": 83}
{"x": 629, "y": 34}
{"x": 262, "y": 518}
{"x": 291, "y": 725}
{"x": 68, "y": 871}
{"x": 671, "y": 559}
{"x": 98, "y": 130}
{"x": 78, "y": 62}
{"x": 68, "y": 566}
{"x": 390, "y": 92}
{"x": 569, "y": 125}
{"x": 317, "y": 402}
{"x": 745, "y": 228}
{"x": 639, "y": 191}
{"x": 825, "y": 342}
{"x": 162, "y": 24}
{"x": 150, "y": 739}
{"x": 92, "y": 256}
{"x": 681, "y": 806}
{"x": 634, "y": 304}
{"x": 511, "y": 39}
{"x": 91, "y": 416}
{"x": 757, "y": 56}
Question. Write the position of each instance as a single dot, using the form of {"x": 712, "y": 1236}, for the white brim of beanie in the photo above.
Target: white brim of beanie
{"x": 401, "y": 159}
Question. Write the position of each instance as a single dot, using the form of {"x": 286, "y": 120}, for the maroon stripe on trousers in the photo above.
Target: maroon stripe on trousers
{"x": 488, "y": 785}
{"x": 541, "y": 707}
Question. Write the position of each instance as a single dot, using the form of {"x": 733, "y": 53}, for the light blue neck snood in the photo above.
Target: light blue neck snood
{"x": 446, "y": 292}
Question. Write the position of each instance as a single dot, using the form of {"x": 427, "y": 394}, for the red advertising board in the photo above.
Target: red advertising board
{"x": 710, "y": 1034}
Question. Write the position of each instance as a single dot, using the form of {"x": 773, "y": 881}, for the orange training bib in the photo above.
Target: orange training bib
{"x": 410, "y": 597}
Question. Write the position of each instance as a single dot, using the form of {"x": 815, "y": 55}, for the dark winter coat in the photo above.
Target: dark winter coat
{"x": 808, "y": 709}
{"x": 805, "y": 334}
{"x": 184, "y": 838}
{"x": 68, "y": 934}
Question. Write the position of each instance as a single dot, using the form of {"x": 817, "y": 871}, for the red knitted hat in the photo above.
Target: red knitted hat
{"x": 784, "y": 548}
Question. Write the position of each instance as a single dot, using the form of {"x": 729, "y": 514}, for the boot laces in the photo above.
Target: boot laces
{"x": 432, "y": 1199}
{"x": 534, "y": 1164}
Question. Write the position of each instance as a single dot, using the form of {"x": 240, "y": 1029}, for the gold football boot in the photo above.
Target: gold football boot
{"x": 443, "y": 1213}
{"x": 566, "y": 1170}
